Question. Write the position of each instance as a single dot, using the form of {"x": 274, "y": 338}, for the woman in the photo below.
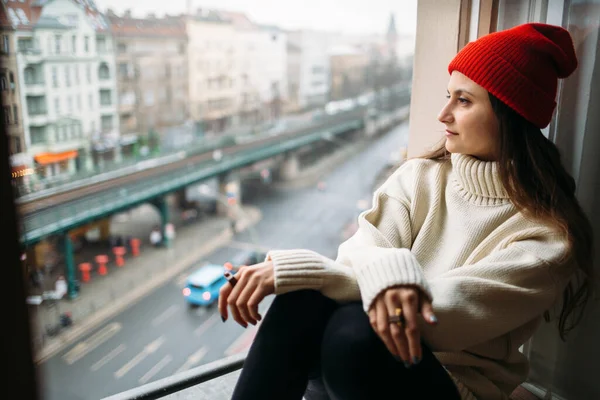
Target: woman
{"x": 453, "y": 267}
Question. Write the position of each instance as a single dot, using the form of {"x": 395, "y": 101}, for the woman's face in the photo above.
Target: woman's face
{"x": 471, "y": 125}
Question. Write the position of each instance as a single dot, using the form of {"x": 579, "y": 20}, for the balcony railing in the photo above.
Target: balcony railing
{"x": 184, "y": 380}
{"x": 30, "y": 51}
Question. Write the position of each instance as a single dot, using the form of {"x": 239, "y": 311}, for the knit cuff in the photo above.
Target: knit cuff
{"x": 296, "y": 270}
{"x": 397, "y": 268}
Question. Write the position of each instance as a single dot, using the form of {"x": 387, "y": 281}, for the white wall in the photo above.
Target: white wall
{"x": 315, "y": 48}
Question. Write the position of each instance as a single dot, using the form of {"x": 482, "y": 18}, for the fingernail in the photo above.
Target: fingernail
{"x": 223, "y": 318}
{"x": 406, "y": 364}
{"x": 433, "y": 319}
{"x": 416, "y": 360}
{"x": 259, "y": 317}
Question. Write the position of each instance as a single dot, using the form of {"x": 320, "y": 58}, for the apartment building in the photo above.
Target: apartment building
{"x": 65, "y": 81}
{"x": 152, "y": 73}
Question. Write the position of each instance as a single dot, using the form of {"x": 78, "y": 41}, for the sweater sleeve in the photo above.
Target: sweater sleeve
{"x": 489, "y": 298}
{"x": 374, "y": 258}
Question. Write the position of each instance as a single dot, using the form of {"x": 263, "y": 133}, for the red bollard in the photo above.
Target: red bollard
{"x": 119, "y": 253}
{"x": 85, "y": 269}
{"x": 102, "y": 259}
{"x": 135, "y": 246}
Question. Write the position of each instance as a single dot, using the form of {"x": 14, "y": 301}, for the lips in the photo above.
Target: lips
{"x": 448, "y": 132}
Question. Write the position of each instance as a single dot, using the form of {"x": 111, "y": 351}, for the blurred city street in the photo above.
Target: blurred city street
{"x": 157, "y": 335}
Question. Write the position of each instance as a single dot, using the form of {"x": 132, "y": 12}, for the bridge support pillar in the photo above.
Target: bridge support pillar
{"x": 290, "y": 167}
{"x": 70, "y": 267}
{"x": 163, "y": 208}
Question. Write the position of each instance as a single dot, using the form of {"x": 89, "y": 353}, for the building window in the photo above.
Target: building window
{"x": 88, "y": 73}
{"x": 76, "y": 74}
{"x": 105, "y": 97}
{"x": 16, "y": 114}
{"x": 12, "y": 80}
{"x": 70, "y": 105}
{"x": 3, "y": 83}
{"x": 37, "y": 134}
{"x": 91, "y": 101}
{"x": 29, "y": 76}
{"x": 107, "y": 123}
{"x": 57, "y": 40}
{"x": 74, "y": 44}
{"x": 5, "y": 44}
{"x": 67, "y": 75}
{"x": 103, "y": 72}
{"x": 17, "y": 145}
{"x": 54, "y": 77}
{"x": 6, "y": 114}
{"x": 86, "y": 44}
{"x": 57, "y": 105}
{"x": 78, "y": 102}
{"x": 36, "y": 105}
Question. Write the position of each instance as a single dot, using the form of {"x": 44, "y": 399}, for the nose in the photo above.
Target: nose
{"x": 445, "y": 115}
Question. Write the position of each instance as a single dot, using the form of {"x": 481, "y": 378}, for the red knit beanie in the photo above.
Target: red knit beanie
{"x": 521, "y": 67}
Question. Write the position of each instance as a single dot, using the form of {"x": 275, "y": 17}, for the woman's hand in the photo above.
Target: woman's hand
{"x": 253, "y": 284}
{"x": 402, "y": 341}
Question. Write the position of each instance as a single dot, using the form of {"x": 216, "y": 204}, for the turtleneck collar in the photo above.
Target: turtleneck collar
{"x": 478, "y": 180}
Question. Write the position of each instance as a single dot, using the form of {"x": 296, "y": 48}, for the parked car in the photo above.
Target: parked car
{"x": 202, "y": 286}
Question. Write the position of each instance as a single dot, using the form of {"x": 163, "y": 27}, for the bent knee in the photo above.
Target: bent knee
{"x": 349, "y": 339}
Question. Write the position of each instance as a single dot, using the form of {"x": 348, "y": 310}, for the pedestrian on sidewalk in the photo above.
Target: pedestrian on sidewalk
{"x": 463, "y": 253}
{"x": 156, "y": 236}
{"x": 60, "y": 287}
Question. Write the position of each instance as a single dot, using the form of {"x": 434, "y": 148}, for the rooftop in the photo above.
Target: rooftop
{"x": 26, "y": 15}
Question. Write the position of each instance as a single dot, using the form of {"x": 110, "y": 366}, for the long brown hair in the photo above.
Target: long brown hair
{"x": 539, "y": 186}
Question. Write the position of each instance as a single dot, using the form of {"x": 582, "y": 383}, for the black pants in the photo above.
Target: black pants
{"x": 305, "y": 335}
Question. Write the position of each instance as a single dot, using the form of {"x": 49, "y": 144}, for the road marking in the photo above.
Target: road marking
{"x": 193, "y": 359}
{"x": 248, "y": 246}
{"x": 104, "y": 360}
{"x": 84, "y": 347}
{"x": 206, "y": 324}
{"x": 149, "y": 349}
{"x": 243, "y": 342}
{"x": 156, "y": 369}
{"x": 165, "y": 315}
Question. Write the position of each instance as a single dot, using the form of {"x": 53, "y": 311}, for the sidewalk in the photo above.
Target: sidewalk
{"x": 105, "y": 296}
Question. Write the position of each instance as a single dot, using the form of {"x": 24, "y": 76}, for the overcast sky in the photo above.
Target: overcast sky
{"x": 351, "y": 16}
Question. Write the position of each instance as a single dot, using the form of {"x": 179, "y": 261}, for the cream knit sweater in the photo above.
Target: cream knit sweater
{"x": 449, "y": 228}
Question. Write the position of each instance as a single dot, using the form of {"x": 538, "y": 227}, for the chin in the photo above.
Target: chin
{"x": 451, "y": 147}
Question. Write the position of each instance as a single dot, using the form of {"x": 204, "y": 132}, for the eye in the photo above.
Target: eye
{"x": 462, "y": 100}
{"x": 447, "y": 96}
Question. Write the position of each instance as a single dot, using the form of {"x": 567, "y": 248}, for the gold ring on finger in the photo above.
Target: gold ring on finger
{"x": 397, "y": 319}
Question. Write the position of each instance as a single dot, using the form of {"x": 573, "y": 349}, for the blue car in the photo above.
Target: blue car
{"x": 202, "y": 286}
